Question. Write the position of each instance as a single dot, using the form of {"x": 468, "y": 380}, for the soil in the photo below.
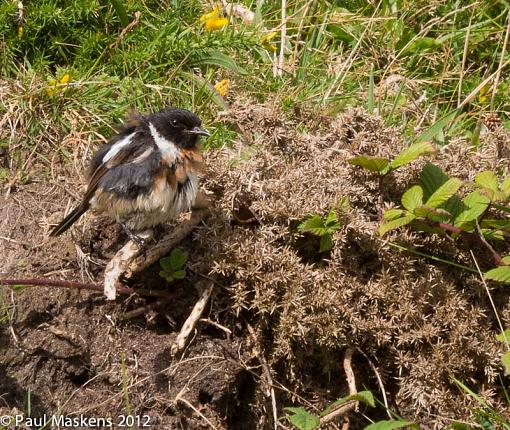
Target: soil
{"x": 281, "y": 314}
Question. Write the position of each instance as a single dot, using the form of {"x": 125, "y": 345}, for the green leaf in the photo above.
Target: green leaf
{"x": 506, "y": 362}
{"x": 363, "y": 396}
{"x": 302, "y": 419}
{"x": 216, "y": 58}
{"x": 475, "y": 205}
{"x": 412, "y": 198}
{"x": 120, "y": 10}
{"x": 396, "y": 223}
{"x": 501, "y": 274}
{"x": 444, "y": 192}
{"x": 412, "y": 153}
{"x": 178, "y": 259}
{"x": 506, "y": 260}
{"x": 393, "y": 213}
{"x": 421, "y": 44}
{"x": 431, "y": 178}
{"x": 504, "y": 337}
{"x": 314, "y": 225}
{"x": 390, "y": 425}
{"x": 435, "y": 214}
{"x": 437, "y": 128}
{"x": 167, "y": 276}
{"x": 374, "y": 164}
{"x": 505, "y": 186}
{"x": 179, "y": 274}
{"x": 166, "y": 264}
{"x": 332, "y": 220}
{"x": 326, "y": 243}
{"x": 487, "y": 179}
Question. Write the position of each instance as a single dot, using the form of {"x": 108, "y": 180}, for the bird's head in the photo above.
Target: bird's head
{"x": 180, "y": 126}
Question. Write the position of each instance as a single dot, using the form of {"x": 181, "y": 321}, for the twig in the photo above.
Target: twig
{"x": 126, "y": 30}
{"x": 379, "y": 381}
{"x": 351, "y": 382}
{"x": 120, "y": 262}
{"x": 217, "y": 325}
{"x": 168, "y": 242}
{"x": 39, "y": 282}
{"x": 200, "y": 414}
{"x": 192, "y": 320}
{"x": 266, "y": 376}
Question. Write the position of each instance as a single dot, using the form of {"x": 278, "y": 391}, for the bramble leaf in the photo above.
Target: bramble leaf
{"x": 314, "y": 225}
{"x": 435, "y": 214}
{"x": 501, "y": 274}
{"x": 393, "y": 213}
{"x": 412, "y": 153}
{"x": 396, "y": 223}
{"x": 412, "y": 198}
{"x": 487, "y": 179}
{"x": 444, "y": 192}
{"x": 326, "y": 243}
{"x": 374, "y": 164}
{"x": 505, "y": 359}
{"x": 504, "y": 337}
{"x": 390, "y": 425}
{"x": 475, "y": 205}
{"x": 431, "y": 178}
{"x": 302, "y": 419}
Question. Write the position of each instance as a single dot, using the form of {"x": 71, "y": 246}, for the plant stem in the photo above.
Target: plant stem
{"x": 40, "y": 282}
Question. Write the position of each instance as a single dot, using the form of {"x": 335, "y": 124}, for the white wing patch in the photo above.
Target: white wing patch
{"x": 167, "y": 147}
{"x": 116, "y": 147}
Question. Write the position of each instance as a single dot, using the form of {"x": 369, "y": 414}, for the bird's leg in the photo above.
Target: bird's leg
{"x": 140, "y": 241}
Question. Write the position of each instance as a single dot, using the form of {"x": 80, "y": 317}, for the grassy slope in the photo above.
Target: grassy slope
{"x": 412, "y": 62}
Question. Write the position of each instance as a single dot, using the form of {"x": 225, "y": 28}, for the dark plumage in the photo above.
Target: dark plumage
{"x": 146, "y": 174}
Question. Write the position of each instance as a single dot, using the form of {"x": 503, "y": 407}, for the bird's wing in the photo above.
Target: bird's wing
{"x": 132, "y": 148}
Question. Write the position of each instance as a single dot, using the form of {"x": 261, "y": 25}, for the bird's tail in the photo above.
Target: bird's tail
{"x": 69, "y": 220}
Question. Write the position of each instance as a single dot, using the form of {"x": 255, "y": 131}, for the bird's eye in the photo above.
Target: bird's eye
{"x": 175, "y": 123}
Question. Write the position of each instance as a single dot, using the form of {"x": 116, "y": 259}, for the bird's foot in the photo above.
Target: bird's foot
{"x": 138, "y": 239}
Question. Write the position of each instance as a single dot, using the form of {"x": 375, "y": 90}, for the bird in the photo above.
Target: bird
{"x": 145, "y": 175}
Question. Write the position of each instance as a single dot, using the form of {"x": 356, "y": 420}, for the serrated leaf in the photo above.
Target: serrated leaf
{"x": 492, "y": 234}
{"x": 501, "y": 274}
{"x": 302, "y": 419}
{"x": 363, "y": 396}
{"x": 487, "y": 179}
{"x": 332, "y": 220}
{"x": 505, "y": 186}
{"x": 412, "y": 153}
{"x": 390, "y": 425}
{"x": 435, "y": 214}
{"x": 326, "y": 243}
{"x": 412, "y": 198}
{"x": 475, "y": 205}
{"x": 444, "y": 192}
{"x": 314, "y": 225}
{"x": 506, "y": 362}
{"x": 396, "y": 223}
{"x": 504, "y": 337}
{"x": 393, "y": 213}
{"x": 437, "y": 128}
{"x": 374, "y": 164}
{"x": 431, "y": 178}
{"x": 178, "y": 259}
{"x": 501, "y": 224}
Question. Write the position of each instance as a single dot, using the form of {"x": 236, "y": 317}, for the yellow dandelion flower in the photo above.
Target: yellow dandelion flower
{"x": 211, "y": 15}
{"x": 216, "y": 23}
{"x": 65, "y": 79}
{"x": 221, "y": 87}
{"x": 21, "y": 30}
{"x": 266, "y": 41}
{"x": 52, "y": 87}
{"x": 482, "y": 95}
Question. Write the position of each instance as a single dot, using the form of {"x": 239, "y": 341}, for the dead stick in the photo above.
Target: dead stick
{"x": 38, "y": 282}
{"x": 192, "y": 320}
{"x": 351, "y": 382}
{"x": 167, "y": 243}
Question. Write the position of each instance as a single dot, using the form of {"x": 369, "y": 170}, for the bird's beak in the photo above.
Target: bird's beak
{"x": 199, "y": 131}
